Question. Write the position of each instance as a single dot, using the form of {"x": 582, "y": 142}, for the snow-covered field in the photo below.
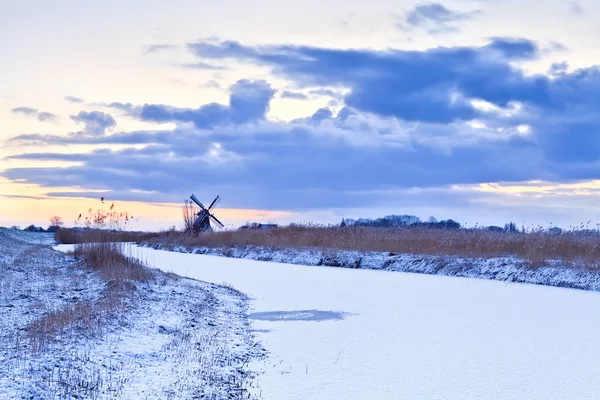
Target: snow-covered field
{"x": 336, "y": 333}
{"x": 167, "y": 338}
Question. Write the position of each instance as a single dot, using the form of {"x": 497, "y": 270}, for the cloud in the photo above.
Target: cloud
{"x": 72, "y": 99}
{"x": 25, "y": 110}
{"x": 555, "y": 47}
{"x": 248, "y": 102}
{"x": 326, "y": 93}
{"x": 96, "y": 122}
{"x": 410, "y": 121}
{"x": 17, "y": 196}
{"x": 34, "y": 113}
{"x": 575, "y": 8}
{"x": 204, "y": 66}
{"x": 325, "y": 160}
{"x": 155, "y": 48}
{"x": 558, "y": 68}
{"x": 319, "y": 116}
{"x": 212, "y": 84}
{"x": 434, "y": 18}
{"x": 293, "y": 95}
{"x": 434, "y": 85}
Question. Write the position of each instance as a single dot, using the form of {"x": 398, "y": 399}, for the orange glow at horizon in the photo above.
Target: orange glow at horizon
{"x": 27, "y": 204}
{"x": 18, "y": 210}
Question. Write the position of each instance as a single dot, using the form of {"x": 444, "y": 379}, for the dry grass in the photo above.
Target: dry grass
{"x": 71, "y": 236}
{"x": 80, "y": 316}
{"x": 535, "y": 247}
{"x": 120, "y": 273}
{"x": 108, "y": 260}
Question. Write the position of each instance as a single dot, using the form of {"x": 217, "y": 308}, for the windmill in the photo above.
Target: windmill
{"x": 202, "y": 222}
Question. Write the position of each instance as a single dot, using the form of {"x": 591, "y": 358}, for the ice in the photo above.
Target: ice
{"x": 409, "y": 336}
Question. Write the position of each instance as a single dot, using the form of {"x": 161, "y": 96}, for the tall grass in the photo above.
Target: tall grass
{"x": 72, "y": 236}
{"x": 120, "y": 274}
{"x": 473, "y": 243}
{"x": 108, "y": 260}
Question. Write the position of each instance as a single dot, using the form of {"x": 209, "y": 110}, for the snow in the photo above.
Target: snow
{"x": 507, "y": 269}
{"x": 337, "y": 333}
{"x": 168, "y": 337}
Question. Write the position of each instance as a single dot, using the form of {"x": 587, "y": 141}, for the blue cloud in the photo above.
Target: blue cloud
{"x": 514, "y": 48}
{"x": 72, "y": 99}
{"x": 411, "y": 85}
{"x": 96, "y": 122}
{"x": 435, "y": 18}
{"x": 248, "y": 102}
{"x": 319, "y": 116}
{"x": 204, "y": 66}
{"x": 292, "y": 165}
{"x": 35, "y": 113}
{"x": 293, "y": 95}
{"x": 326, "y": 93}
{"x": 558, "y": 68}
{"x": 409, "y": 119}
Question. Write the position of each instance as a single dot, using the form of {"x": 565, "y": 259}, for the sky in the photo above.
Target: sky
{"x": 483, "y": 111}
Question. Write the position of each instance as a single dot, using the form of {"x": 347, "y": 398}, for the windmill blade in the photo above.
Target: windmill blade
{"x": 215, "y": 202}
{"x": 197, "y": 202}
{"x": 217, "y": 221}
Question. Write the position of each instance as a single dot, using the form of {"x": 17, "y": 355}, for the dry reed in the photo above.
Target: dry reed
{"x": 120, "y": 274}
{"x": 473, "y": 243}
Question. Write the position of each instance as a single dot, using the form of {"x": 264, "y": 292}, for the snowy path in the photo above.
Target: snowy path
{"x": 409, "y": 336}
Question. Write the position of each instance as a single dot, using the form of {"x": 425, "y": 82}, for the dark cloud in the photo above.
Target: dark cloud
{"x": 248, "y": 102}
{"x": 433, "y": 85}
{"x": 34, "y": 113}
{"x": 325, "y": 160}
{"x": 434, "y": 18}
{"x": 96, "y": 122}
{"x": 438, "y": 117}
{"x": 514, "y": 49}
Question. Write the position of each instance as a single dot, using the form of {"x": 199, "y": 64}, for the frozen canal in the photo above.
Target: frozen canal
{"x": 358, "y": 334}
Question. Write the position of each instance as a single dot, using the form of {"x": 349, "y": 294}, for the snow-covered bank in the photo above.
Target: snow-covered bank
{"x": 507, "y": 269}
{"x": 171, "y": 338}
{"x": 336, "y": 333}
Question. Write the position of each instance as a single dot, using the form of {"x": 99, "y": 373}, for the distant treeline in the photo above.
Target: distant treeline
{"x": 396, "y": 221}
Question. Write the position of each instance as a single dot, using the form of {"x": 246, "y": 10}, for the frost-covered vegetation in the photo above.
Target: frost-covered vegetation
{"x": 576, "y": 248}
{"x": 97, "y": 324}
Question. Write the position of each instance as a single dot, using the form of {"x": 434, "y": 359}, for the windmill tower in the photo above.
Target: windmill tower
{"x": 203, "y": 217}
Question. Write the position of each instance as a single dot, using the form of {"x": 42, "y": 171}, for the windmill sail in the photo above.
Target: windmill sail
{"x": 204, "y": 216}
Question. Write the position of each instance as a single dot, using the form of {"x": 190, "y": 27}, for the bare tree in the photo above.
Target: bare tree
{"x": 56, "y": 221}
{"x": 188, "y": 216}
